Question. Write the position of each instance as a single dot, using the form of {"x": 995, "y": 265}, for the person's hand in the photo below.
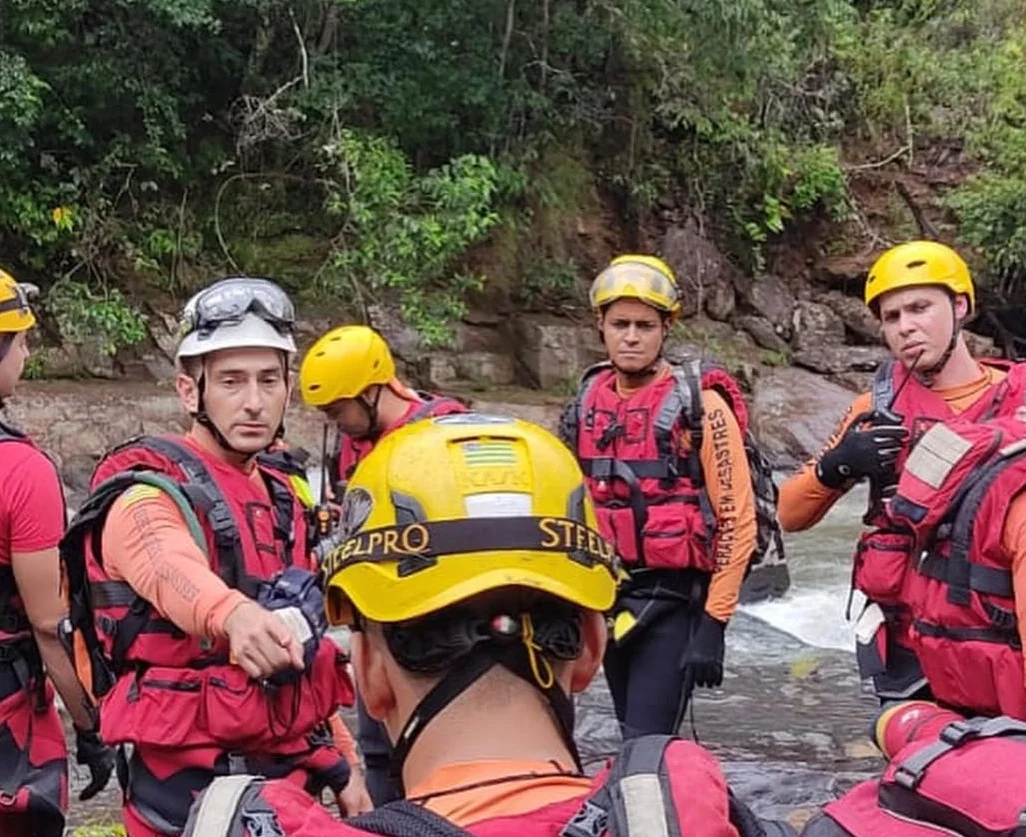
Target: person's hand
{"x": 261, "y": 642}
{"x": 862, "y": 452}
{"x": 703, "y": 659}
{"x": 98, "y": 757}
{"x": 354, "y": 798}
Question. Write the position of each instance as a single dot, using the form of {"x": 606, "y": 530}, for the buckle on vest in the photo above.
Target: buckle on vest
{"x": 590, "y": 821}
{"x": 907, "y": 778}
{"x": 220, "y": 518}
{"x": 958, "y": 732}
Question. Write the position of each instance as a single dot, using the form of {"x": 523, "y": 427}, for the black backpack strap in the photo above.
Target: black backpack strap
{"x": 683, "y": 409}
{"x": 84, "y": 596}
{"x": 206, "y": 497}
{"x": 636, "y": 790}
{"x": 882, "y": 389}
{"x": 570, "y": 418}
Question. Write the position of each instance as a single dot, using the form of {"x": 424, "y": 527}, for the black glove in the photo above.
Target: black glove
{"x": 862, "y": 452}
{"x": 98, "y": 757}
{"x": 703, "y": 658}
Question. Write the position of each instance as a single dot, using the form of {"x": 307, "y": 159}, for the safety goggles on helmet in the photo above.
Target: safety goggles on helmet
{"x": 24, "y": 293}
{"x": 15, "y": 309}
{"x": 644, "y": 278}
{"x": 229, "y": 301}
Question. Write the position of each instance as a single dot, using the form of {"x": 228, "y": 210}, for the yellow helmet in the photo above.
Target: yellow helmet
{"x": 453, "y": 506}
{"x": 919, "y": 263}
{"x": 343, "y": 363}
{"x": 15, "y": 313}
{"x": 645, "y": 278}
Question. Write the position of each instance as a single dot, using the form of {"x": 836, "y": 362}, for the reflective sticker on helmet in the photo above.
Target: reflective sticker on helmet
{"x": 936, "y": 454}
{"x": 462, "y": 419}
{"x": 498, "y": 504}
{"x": 489, "y": 453}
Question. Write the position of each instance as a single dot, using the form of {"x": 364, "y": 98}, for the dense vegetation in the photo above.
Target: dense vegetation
{"x": 362, "y": 148}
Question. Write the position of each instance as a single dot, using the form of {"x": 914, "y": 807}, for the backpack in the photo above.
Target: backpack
{"x": 690, "y": 378}
{"x": 636, "y": 799}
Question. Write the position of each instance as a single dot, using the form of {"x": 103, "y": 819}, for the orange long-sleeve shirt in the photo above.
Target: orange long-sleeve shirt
{"x": 1013, "y": 539}
{"x": 804, "y": 499}
{"x": 729, "y": 484}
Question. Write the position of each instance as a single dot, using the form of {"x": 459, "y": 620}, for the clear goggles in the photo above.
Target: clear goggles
{"x": 24, "y": 293}
{"x": 229, "y": 301}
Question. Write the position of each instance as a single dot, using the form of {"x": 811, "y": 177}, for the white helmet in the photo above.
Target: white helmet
{"x": 237, "y": 313}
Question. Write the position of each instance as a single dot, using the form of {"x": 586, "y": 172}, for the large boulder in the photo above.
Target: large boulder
{"x": 816, "y": 325}
{"x": 794, "y": 412}
{"x": 770, "y": 298}
{"x": 855, "y": 315}
{"x": 704, "y": 274}
{"x": 550, "y": 350}
{"x": 832, "y": 359}
{"x": 763, "y": 332}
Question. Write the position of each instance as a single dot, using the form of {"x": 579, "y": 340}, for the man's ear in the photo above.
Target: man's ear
{"x": 188, "y": 390}
{"x": 593, "y": 648}
{"x": 371, "y": 675}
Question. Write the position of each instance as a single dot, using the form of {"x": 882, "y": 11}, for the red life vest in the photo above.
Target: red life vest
{"x": 655, "y": 785}
{"x": 882, "y": 556}
{"x": 348, "y": 452}
{"x": 650, "y": 498}
{"x": 33, "y": 757}
{"x": 954, "y": 776}
{"x": 161, "y": 686}
{"x": 954, "y": 496}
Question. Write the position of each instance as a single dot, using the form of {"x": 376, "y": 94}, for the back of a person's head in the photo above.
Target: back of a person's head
{"x": 471, "y": 543}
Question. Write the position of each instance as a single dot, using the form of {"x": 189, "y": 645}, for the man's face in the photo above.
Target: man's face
{"x": 245, "y": 394}
{"x": 350, "y": 416}
{"x": 13, "y": 363}
{"x": 919, "y": 321}
{"x": 633, "y": 333}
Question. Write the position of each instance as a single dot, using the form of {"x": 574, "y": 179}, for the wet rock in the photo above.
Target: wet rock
{"x": 548, "y": 349}
{"x": 857, "y": 317}
{"x": 402, "y": 338}
{"x": 830, "y": 359}
{"x": 981, "y": 346}
{"x": 816, "y": 325}
{"x": 771, "y": 299}
{"x": 704, "y": 274}
{"x": 485, "y": 368}
{"x": 845, "y": 272}
{"x": 437, "y": 370}
{"x": 794, "y": 412}
{"x": 763, "y": 332}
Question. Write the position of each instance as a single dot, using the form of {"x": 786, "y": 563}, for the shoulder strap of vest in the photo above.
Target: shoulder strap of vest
{"x": 84, "y": 597}
{"x": 882, "y": 389}
{"x": 428, "y": 406}
{"x": 570, "y": 420}
{"x": 8, "y": 433}
{"x": 206, "y": 497}
{"x": 684, "y": 406}
{"x": 287, "y": 460}
{"x": 910, "y": 772}
{"x": 962, "y": 574}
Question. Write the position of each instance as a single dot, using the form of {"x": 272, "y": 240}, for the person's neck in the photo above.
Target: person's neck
{"x": 625, "y": 382}
{"x": 391, "y": 408}
{"x": 960, "y": 370}
{"x": 522, "y": 729}
{"x": 206, "y": 441}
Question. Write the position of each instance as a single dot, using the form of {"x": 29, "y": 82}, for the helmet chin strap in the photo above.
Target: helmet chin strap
{"x": 371, "y": 409}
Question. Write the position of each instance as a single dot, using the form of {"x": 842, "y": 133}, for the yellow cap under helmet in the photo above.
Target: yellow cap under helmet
{"x": 343, "y": 363}
{"x": 644, "y": 278}
{"x": 15, "y": 313}
{"x": 453, "y": 506}
{"x": 919, "y": 263}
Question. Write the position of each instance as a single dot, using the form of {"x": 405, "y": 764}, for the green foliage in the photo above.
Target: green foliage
{"x": 85, "y": 315}
{"x": 402, "y": 232}
{"x": 163, "y": 142}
